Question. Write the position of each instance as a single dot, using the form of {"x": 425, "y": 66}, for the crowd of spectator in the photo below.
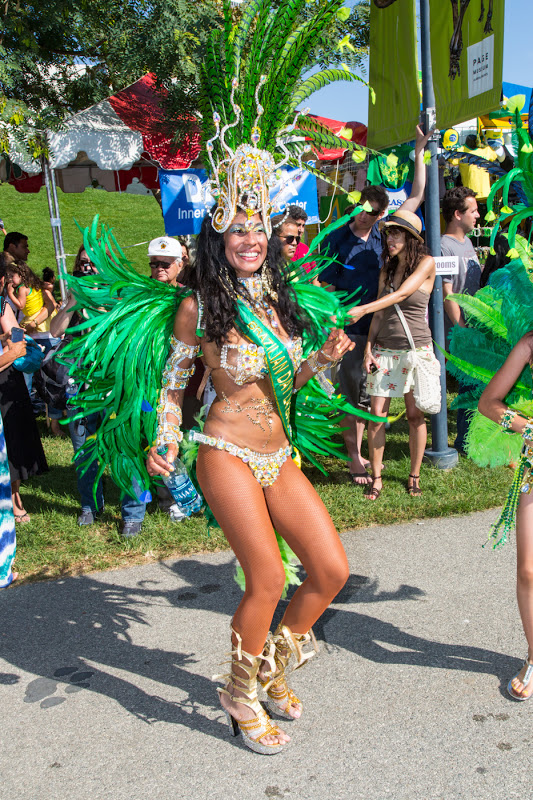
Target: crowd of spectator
{"x": 382, "y": 259}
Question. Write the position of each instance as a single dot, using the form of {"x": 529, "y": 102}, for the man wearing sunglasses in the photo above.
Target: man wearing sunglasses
{"x": 165, "y": 260}
{"x": 287, "y": 231}
{"x": 358, "y": 248}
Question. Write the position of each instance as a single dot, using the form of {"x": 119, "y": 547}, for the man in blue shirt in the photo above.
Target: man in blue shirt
{"x": 358, "y": 248}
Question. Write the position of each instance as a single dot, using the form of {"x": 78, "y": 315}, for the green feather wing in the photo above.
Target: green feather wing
{"x": 120, "y": 359}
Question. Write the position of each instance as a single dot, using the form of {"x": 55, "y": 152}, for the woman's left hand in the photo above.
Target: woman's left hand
{"x": 356, "y": 313}
{"x": 336, "y": 346}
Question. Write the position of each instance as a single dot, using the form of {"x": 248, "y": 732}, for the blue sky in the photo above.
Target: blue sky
{"x": 349, "y": 102}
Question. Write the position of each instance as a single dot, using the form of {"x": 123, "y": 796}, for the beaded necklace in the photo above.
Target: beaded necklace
{"x": 259, "y": 304}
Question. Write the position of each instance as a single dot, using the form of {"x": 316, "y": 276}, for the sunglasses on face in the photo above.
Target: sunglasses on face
{"x": 160, "y": 265}
{"x": 394, "y": 232}
{"x": 291, "y": 239}
{"x": 374, "y": 213}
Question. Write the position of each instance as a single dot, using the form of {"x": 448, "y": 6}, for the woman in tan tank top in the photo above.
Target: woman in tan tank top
{"x": 407, "y": 278}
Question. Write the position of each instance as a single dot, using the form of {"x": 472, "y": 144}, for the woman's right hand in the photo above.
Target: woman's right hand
{"x": 156, "y": 464}
{"x": 369, "y": 361}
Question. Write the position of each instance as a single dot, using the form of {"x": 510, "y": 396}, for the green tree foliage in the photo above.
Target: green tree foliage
{"x": 60, "y": 56}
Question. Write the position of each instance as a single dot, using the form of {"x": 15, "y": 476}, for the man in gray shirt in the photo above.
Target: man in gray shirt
{"x": 459, "y": 209}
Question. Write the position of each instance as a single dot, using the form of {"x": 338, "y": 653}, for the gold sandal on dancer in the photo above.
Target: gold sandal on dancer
{"x": 372, "y": 492}
{"x": 526, "y": 680}
{"x": 280, "y": 697}
{"x": 244, "y": 690}
{"x": 413, "y": 489}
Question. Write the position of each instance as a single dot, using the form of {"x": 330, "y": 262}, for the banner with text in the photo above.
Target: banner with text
{"x": 183, "y": 203}
{"x": 466, "y": 58}
{"x": 393, "y": 74}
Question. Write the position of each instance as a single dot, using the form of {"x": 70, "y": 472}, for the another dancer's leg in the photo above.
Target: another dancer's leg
{"x": 524, "y": 580}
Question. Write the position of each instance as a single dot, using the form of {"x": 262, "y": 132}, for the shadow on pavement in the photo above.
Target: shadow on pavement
{"x": 53, "y": 629}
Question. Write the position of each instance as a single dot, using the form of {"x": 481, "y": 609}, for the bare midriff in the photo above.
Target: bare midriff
{"x": 245, "y": 415}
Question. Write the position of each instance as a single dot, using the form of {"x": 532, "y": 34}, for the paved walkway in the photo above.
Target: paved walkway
{"x": 105, "y": 681}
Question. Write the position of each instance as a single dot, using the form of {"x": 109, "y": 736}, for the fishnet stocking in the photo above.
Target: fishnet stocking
{"x": 247, "y": 514}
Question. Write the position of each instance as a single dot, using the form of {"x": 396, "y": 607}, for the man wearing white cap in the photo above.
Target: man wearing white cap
{"x": 166, "y": 265}
{"x": 165, "y": 259}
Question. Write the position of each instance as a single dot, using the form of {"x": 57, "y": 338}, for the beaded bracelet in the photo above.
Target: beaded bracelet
{"x": 527, "y": 433}
{"x": 507, "y": 417}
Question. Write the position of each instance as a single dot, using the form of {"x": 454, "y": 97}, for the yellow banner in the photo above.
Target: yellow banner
{"x": 393, "y": 73}
{"x": 466, "y": 57}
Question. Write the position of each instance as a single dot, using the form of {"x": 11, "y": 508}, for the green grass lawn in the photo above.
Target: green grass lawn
{"x": 134, "y": 219}
{"x": 52, "y": 544}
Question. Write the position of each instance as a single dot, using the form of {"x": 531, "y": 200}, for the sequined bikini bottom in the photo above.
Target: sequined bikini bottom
{"x": 265, "y": 467}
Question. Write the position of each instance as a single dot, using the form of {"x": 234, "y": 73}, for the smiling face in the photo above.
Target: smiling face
{"x": 246, "y": 244}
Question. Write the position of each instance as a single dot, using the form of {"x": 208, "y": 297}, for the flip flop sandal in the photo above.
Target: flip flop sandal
{"x": 527, "y": 678}
{"x": 364, "y": 474}
{"x": 22, "y": 518}
{"x": 373, "y": 493}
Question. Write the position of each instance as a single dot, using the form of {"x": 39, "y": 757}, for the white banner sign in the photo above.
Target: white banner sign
{"x": 481, "y": 67}
{"x": 447, "y": 265}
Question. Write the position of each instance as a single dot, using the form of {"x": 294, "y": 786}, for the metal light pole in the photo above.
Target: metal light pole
{"x": 440, "y": 455}
{"x": 55, "y": 222}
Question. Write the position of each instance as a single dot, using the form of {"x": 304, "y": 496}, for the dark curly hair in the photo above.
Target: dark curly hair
{"x": 454, "y": 200}
{"x": 414, "y": 253}
{"x": 27, "y": 275}
{"x": 219, "y": 309}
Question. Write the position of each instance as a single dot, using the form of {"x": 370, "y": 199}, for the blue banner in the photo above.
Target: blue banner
{"x": 183, "y": 204}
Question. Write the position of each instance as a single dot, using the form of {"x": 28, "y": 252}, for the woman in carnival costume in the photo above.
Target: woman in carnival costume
{"x": 266, "y": 334}
{"x": 500, "y": 334}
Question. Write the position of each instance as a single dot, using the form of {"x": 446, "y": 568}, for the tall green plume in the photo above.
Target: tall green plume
{"x": 270, "y": 41}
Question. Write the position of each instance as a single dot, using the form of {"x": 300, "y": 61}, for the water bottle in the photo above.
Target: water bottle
{"x": 71, "y": 389}
{"x": 181, "y": 487}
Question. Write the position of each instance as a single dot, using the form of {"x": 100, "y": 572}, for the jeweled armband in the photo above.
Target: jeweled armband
{"x": 174, "y": 379}
{"x": 527, "y": 433}
{"x": 507, "y": 417}
{"x": 315, "y": 366}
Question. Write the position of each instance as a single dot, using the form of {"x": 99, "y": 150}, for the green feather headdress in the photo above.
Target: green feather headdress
{"x": 251, "y": 84}
{"x": 521, "y": 174}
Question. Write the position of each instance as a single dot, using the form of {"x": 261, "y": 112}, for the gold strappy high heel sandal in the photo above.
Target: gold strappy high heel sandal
{"x": 244, "y": 690}
{"x": 287, "y": 644}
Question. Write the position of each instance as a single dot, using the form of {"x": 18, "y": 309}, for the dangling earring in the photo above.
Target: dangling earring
{"x": 266, "y": 282}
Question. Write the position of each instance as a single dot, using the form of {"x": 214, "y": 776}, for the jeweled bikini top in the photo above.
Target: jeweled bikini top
{"x": 245, "y": 362}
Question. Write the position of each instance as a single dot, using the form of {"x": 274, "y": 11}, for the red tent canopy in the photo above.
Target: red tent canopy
{"x": 359, "y": 132}
{"x": 119, "y": 143}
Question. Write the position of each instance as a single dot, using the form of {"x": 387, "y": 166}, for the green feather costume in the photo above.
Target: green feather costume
{"x": 252, "y": 71}
{"x": 498, "y": 316}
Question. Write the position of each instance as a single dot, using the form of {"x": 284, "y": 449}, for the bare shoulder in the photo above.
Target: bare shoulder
{"x": 185, "y": 322}
{"x": 525, "y": 346}
{"x": 427, "y": 264}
